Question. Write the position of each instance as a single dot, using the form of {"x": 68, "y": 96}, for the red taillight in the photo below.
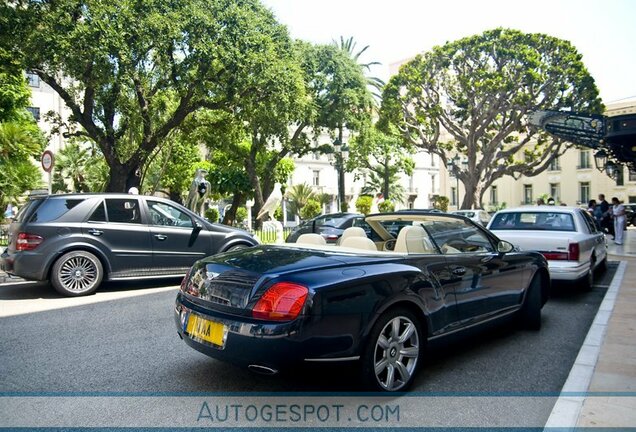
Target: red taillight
{"x": 27, "y": 242}
{"x": 574, "y": 251}
{"x": 282, "y": 301}
{"x": 555, "y": 256}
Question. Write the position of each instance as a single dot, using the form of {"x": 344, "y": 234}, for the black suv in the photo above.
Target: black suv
{"x": 77, "y": 240}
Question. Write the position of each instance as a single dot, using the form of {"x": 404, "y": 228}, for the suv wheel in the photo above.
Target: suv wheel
{"x": 77, "y": 273}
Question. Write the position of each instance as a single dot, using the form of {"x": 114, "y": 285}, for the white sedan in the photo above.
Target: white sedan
{"x": 567, "y": 236}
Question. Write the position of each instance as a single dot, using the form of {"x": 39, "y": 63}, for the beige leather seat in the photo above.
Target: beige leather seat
{"x": 414, "y": 239}
{"x": 311, "y": 238}
{"x": 352, "y": 232}
{"x": 355, "y": 242}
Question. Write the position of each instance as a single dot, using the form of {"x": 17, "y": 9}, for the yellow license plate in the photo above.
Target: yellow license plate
{"x": 209, "y": 331}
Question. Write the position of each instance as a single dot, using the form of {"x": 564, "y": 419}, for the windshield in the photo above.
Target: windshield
{"x": 543, "y": 221}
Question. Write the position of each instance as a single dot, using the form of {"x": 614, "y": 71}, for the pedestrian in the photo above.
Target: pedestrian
{"x": 550, "y": 201}
{"x": 606, "y": 219}
{"x": 540, "y": 201}
{"x": 618, "y": 211}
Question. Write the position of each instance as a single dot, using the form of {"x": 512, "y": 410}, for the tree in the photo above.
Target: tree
{"x": 310, "y": 210}
{"x": 319, "y": 88}
{"x": 299, "y": 196}
{"x": 20, "y": 138}
{"x": 132, "y": 71}
{"x": 383, "y": 156}
{"x": 472, "y": 97}
{"x": 349, "y": 46}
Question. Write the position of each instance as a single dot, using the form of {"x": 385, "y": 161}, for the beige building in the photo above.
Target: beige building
{"x": 571, "y": 179}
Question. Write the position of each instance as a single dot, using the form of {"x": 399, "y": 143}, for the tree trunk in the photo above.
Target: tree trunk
{"x": 473, "y": 194}
{"x": 123, "y": 177}
{"x": 230, "y": 216}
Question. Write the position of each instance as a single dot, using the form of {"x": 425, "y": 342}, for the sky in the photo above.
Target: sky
{"x": 604, "y": 32}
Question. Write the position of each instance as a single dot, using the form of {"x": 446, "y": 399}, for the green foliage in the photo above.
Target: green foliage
{"x": 212, "y": 214}
{"x": 21, "y": 141}
{"x": 363, "y": 204}
{"x": 310, "y": 210}
{"x": 383, "y": 156}
{"x": 386, "y": 206}
{"x": 83, "y": 167}
{"x": 171, "y": 166}
{"x": 324, "y": 198}
{"x": 278, "y": 213}
{"x": 241, "y": 215}
{"x": 480, "y": 91}
{"x": 344, "y": 207}
{"x": 298, "y": 196}
{"x": 440, "y": 202}
{"x": 14, "y": 96}
{"x": 131, "y": 72}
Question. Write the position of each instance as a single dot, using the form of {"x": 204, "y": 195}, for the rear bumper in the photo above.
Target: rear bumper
{"x": 273, "y": 345}
{"x": 567, "y": 270}
{"x": 27, "y": 265}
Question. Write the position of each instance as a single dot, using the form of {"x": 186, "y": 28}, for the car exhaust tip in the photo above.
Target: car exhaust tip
{"x": 263, "y": 370}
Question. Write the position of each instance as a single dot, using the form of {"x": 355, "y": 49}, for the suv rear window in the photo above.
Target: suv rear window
{"x": 539, "y": 221}
{"x": 54, "y": 208}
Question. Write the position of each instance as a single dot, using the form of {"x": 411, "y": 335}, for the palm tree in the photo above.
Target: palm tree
{"x": 72, "y": 164}
{"x": 375, "y": 183}
{"x": 349, "y": 46}
{"x": 298, "y": 196}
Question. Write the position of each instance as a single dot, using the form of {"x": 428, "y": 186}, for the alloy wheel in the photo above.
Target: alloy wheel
{"x": 396, "y": 353}
{"x": 78, "y": 274}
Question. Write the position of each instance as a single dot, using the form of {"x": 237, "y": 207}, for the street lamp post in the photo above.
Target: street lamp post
{"x": 453, "y": 166}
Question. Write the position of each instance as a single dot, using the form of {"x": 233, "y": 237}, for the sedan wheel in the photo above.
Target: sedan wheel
{"x": 77, "y": 273}
{"x": 391, "y": 359}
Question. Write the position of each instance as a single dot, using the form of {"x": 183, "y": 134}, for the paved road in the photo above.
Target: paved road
{"x": 130, "y": 345}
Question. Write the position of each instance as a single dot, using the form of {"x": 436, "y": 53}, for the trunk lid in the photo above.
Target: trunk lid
{"x": 230, "y": 281}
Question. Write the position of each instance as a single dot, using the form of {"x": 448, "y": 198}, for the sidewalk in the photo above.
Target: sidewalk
{"x": 601, "y": 388}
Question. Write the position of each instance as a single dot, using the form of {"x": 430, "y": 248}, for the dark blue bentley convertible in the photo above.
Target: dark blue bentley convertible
{"x": 379, "y": 302}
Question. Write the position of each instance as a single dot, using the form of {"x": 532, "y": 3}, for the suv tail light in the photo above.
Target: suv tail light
{"x": 574, "y": 250}
{"x": 282, "y": 301}
{"x": 27, "y": 242}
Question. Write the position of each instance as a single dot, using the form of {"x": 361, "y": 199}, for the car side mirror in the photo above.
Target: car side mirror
{"x": 505, "y": 247}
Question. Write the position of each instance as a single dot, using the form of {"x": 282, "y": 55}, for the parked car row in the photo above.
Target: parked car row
{"x": 346, "y": 287}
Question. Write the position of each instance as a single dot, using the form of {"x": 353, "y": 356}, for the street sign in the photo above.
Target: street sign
{"x": 48, "y": 160}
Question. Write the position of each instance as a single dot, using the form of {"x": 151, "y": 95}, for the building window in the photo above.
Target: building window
{"x": 454, "y": 196}
{"x": 411, "y": 184}
{"x": 527, "y": 194}
{"x": 584, "y": 192}
{"x": 632, "y": 175}
{"x": 433, "y": 161}
{"x": 555, "y": 164}
{"x": 35, "y": 112}
{"x": 555, "y": 191}
{"x": 584, "y": 159}
{"x": 316, "y": 177}
{"x": 494, "y": 199}
{"x": 620, "y": 176}
{"x": 433, "y": 185}
{"x": 34, "y": 79}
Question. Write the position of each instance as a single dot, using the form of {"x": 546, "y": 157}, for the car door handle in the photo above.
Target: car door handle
{"x": 161, "y": 237}
{"x": 487, "y": 258}
{"x": 459, "y": 271}
{"x": 95, "y": 232}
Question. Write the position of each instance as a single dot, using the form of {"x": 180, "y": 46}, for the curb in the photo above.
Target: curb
{"x": 567, "y": 409}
